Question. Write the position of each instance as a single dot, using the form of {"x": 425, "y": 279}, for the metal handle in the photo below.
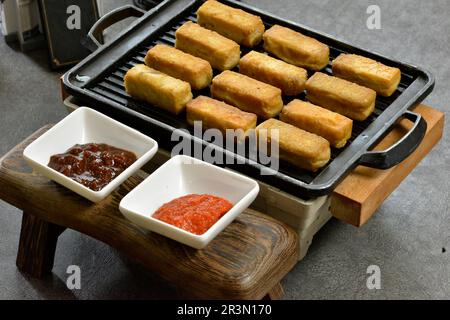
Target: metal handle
{"x": 94, "y": 38}
{"x": 401, "y": 150}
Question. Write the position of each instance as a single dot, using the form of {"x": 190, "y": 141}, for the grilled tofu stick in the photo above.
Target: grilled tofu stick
{"x": 247, "y": 94}
{"x": 301, "y": 148}
{"x": 296, "y": 48}
{"x": 180, "y": 65}
{"x": 219, "y": 115}
{"x": 367, "y": 72}
{"x": 158, "y": 89}
{"x": 334, "y": 127}
{"x": 222, "y": 53}
{"x": 236, "y": 24}
{"x": 342, "y": 96}
{"x": 289, "y": 78}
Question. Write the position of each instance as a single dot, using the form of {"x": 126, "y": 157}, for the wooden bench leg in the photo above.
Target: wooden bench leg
{"x": 37, "y": 245}
{"x": 276, "y": 293}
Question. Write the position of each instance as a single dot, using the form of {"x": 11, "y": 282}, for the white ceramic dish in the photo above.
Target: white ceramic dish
{"x": 183, "y": 175}
{"x": 88, "y": 126}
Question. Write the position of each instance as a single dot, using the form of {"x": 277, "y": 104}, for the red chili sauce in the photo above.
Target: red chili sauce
{"x": 93, "y": 165}
{"x": 195, "y": 213}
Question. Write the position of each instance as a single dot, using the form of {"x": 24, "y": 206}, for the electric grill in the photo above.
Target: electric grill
{"x": 98, "y": 82}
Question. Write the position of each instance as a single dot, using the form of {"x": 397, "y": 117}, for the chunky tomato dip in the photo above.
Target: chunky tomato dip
{"x": 195, "y": 213}
{"x": 93, "y": 165}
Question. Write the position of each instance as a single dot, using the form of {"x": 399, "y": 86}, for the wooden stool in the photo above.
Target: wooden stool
{"x": 246, "y": 261}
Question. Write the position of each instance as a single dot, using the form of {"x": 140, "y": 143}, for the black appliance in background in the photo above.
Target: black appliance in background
{"x": 65, "y": 24}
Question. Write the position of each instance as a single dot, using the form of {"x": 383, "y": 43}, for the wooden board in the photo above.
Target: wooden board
{"x": 362, "y": 192}
{"x": 246, "y": 261}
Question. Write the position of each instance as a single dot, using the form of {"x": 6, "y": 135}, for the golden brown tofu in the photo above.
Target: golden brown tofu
{"x": 180, "y": 65}
{"x": 236, "y": 24}
{"x": 219, "y": 115}
{"x": 222, "y": 53}
{"x": 342, "y": 96}
{"x": 289, "y": 78}
{"x": 296, "y": 48}
{"x": 247, "y": 94}
{"x": 301, "y": 148}
{"x": 334, "y": 127}
{"x": 158, "y": 89}
{"x": 367, "y": 72}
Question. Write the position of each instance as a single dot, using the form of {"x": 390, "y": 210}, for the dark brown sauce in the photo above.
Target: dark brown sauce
{"x": 93, "y": 165}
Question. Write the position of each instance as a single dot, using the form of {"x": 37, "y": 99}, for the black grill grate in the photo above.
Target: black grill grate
{"x": 98, "y": 81}
{"x": 111, "y": 87}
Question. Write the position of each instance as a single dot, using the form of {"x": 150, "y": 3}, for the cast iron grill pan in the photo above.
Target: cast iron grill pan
{"x": 102, "y": 87}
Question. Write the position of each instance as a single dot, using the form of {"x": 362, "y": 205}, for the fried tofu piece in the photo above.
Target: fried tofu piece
{"x": 301, "y": 148}
{"x": 219, "y": 115}
{"x": 296, "y": 48}
{"x": 236, "y": 24}
{"x": 158, "y": 89}
{"x": 222, "y": 53}
{"x": 367, "y": 72}
{"x": 342, "y": 96}
{"x": 180, "y": 65}
{"x": 334, "y": 127}
{"x": 289, "y": 78}
{"x": 247, "y": 94}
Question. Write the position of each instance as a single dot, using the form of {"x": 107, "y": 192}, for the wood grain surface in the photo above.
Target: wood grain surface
{"x": 362, "y": 192}
{"x": 276, "y": 293}
{"x": 37, "y": 245}
{"x": 246, "y": 261}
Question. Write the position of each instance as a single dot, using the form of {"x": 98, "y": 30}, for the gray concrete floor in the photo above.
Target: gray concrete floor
{"x": 406, "y": 238}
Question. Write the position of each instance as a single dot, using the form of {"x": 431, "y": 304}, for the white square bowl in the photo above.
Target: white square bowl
{"x": 83, "y": 126}
{"x": 180, "y": 176}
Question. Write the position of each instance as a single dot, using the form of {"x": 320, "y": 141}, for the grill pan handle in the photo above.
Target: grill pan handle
{"x": 401, "y": 150}
{"x": 94, "y": 38}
